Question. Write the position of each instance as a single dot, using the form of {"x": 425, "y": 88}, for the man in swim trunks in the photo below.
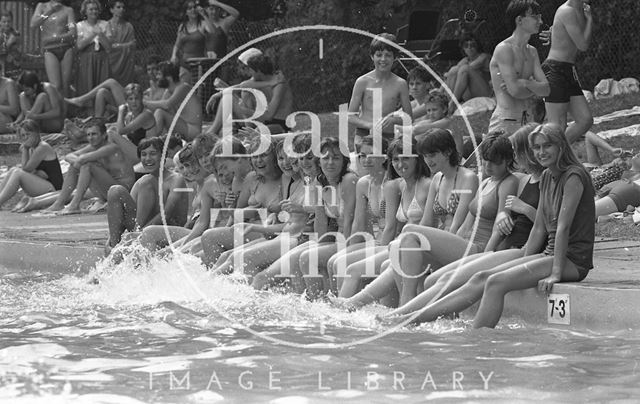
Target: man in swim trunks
{"x": 516, "y": 75}
{"x": 570, "y": 33}
{"x": 57, "y": 24}
{"x": 9, "y": 104}
{"x": 189, "y": 123}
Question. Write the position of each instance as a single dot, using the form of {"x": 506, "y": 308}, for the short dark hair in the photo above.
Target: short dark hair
{"x": 378, "y": 43}
{"x": 468, "y": 37}
{"x": 154, "y": 142}
{"x": 419, "y": 73}
{"x": 154, "y": 60}
{"x": 496, "y": 148}
{"x": 262, "y": 64}
{"x": 517, "y": 8}
{"x": 30, "y": 79}
{"x": 439, "y": 140}
{"x": 168, "y": 69}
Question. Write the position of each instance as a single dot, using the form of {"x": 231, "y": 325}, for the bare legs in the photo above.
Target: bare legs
{"x": 31, "y": 184}
{"x": 580, "y": 111}
{"x": 59, "y": 72}
{"x": 109, "y": 92}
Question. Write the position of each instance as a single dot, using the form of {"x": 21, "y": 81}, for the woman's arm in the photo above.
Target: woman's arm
{"x": 232, "y": 16}
{"x": 176, "y": 45}
{"x": 572, "y": 192}
{"x": 427, "y": 216}
{"x": 537, "y": 236}
{"x": 479, "y": 62}
{"x": 360, "y": 216}
{"x": 85, "y": 36}
{"x": 56, "y": 109}
{"x": 466, "y": 191}
{"x": 349, "y": 198}
{"x": 202, "y": 224}
{"x": 509, "y": 186}
{"x": 11, "y": 105}
{"x": 392, "y": 201}
{"x": 25, "y": 152}
{"x": 144, "y": 120}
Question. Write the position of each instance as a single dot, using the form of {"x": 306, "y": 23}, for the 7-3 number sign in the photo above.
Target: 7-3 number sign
{"x": 558, "y": 309}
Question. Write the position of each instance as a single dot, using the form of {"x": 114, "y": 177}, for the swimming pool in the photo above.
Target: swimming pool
{"x": 165, "y": 331}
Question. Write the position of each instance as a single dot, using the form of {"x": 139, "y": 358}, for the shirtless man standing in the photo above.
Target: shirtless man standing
{"x": 9, "y": 104}
{"x": 570, "y": 33}
{"x": 97, "y": 166}
{"x": 189, "y": 123}
{"x": 57, "y": 24}
{"x": 516, "y": 74}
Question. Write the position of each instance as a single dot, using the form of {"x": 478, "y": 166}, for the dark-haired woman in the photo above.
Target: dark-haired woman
{"x": 42, "y": 102}
{"x": 470, "y": 77}
{"x": 190, "y": 41}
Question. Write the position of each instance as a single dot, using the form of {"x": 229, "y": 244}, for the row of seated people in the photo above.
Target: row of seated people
{"x": 300, "y": 210}
{"x": 153, "y": 114}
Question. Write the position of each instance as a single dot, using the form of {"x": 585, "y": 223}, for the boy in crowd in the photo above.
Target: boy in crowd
{"x": 571, "y": 33}
{"x": 153, "y": 92}
{"x": 140, "y": 208}
{"x": 42, "y": 102}
{"x": 379, "y": 85}
{"x": 516, "y": 75}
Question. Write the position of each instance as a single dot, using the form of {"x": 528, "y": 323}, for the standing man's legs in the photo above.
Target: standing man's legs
{"x": 581, "y": 113}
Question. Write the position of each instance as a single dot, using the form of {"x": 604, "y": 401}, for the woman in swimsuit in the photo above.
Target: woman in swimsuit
{"x": 515, "y": 223}
{"x": 40, "y": 172}
{"x": 373, "y": 194}
{"x": 222, "y": 17}
{"x": 57, "y": 24}
{"x": 445, "y": 246}
{"x": 134, "y": 120}
{"x": 278, "y": 236}
{"x": 406, "y": 207}
{"x": 190, "y": 41}
{"x": 260, "y": 194}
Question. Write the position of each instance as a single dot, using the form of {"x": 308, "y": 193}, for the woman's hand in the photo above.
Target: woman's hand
{"x": 515, "y": 204}
{"x": 504, "y": 223}
{"x": 546, "y": 285}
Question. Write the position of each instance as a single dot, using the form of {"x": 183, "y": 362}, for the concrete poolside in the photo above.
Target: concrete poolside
{"x": 608, "y": 299}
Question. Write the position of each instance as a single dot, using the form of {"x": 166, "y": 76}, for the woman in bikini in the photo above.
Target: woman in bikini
{"x": 407, "y": 207}
{"x": 260, "y": 194}
{"x": 57, "y": 24}
{"x": 40, "y": 171}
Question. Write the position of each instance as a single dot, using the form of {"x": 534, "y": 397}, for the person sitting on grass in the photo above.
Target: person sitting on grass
{"x": 42, "y": 102}
{"x": 135, "y": 210}
{"x": 40, "y": 169}
{"x": 189, "y": 123}
{"x": 98, "y": 166}
{"x": 9, "y": 104}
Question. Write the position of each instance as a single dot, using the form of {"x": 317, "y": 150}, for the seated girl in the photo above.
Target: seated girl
{"x": 40, "y": 171}
{"x": 277, "y": 238}
{"x": 261, "y": 193}
{"x": 412, "y": 261}
{"x": 515, "y": 224}
{"x": 413, "y": 188}
{"x": 42, "y": 102}
{"x": 333, "y": 220}
{"x": 562, "y": 223}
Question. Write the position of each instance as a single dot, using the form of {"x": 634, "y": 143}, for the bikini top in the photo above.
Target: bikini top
{"x": 272, "y": 197}
{"x": 413, "y": 213}
{"x": 452, "y": 202}
{"x": 376, "y": 205}
{"x": 333, "y": 211}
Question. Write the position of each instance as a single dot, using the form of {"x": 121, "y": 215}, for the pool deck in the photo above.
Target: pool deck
{"x": 608, "y": 299}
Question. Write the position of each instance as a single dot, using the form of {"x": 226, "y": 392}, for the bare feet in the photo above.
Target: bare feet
{"x": 77, "y": 101}
{"x": 20, "y": 205}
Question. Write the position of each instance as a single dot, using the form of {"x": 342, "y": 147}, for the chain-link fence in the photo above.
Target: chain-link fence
{"x": 323, "y": 65}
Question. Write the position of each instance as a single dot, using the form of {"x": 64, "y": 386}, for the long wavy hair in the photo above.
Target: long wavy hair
{"x": 333, "y": 144}
{"x": 554, "y": 134}
{"x": 396, "y": 148}
{"x": 522, "y": 150}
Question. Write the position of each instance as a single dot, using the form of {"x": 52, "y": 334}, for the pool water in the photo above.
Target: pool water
{"x": 164, "y": 331}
